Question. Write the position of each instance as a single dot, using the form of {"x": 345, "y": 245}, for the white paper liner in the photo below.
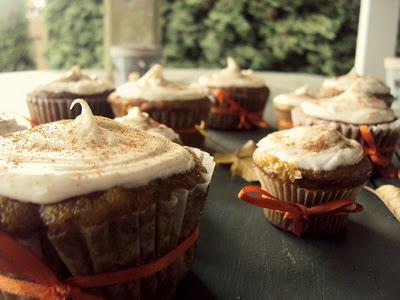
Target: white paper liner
{"x": 159, "y": 230}
{"x": 291, "y": 192}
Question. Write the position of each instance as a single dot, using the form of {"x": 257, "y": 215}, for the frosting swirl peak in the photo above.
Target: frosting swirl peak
{"x": 60, "y": 160}
{"x": 352, "y": 107}
{"x": 232, "y": 76}
{"x": 154, "y": 86}
{"x": 77, "y": 82}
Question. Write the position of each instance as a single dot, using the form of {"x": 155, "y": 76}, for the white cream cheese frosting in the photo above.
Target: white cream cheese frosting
{"x": 154, "y": 86}
{"x": 141, "y": 120}
{"x": 232, "y": 76}
{"x": 9, "y": 123}
{"x": 366, "y": 84}
{"x": 59, "y": 160}
{"x": 316, "y": 148}
{"x": 352, "y": 107}
{"x": 294, "y": 99}
{"x": 76, "y": 82}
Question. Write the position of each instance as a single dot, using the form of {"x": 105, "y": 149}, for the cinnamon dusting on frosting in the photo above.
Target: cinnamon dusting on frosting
{"x": 59, "y": 160}
{"x": 352, "y": 106}
{"x": 287, "y": 152}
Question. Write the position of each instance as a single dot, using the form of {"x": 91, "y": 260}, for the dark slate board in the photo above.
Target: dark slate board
{"x": 241, "y": 256}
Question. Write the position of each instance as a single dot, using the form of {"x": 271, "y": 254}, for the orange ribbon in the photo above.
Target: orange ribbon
{"x": 246, "y": 118}
{"x": 383, "y": 164}
{"x": 297, "y": 212}
{"x": 282, "y": 123}
{"x": 41, "y": 283}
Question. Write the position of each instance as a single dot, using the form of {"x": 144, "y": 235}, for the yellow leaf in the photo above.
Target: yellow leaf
{"x": 244, "y": 168}
{"x": 247, "y": 149}
{"x": 224, "y": 158}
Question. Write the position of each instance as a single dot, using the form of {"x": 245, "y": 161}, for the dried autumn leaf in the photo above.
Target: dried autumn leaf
{"x": 247, "y": 149}
{"x": 243, "y": 167}
{"x": 241, "y": 160}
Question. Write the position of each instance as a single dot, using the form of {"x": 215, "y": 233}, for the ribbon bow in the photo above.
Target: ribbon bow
{"x": 246, "y": 118}
{"x": 282, "y": 123}
{"x": 383, "y": 164}
{"x": 32, "y": 278}
{"x": 297, "y": 212}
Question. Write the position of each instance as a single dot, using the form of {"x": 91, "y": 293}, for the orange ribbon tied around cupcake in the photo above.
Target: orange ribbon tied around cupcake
{"x": 282, "y": 123}
{"x": 383, "y": 164}
{"x": 228, "y": 106}
{"x": 30, "y": 277}
{"x": 294, "y": 211}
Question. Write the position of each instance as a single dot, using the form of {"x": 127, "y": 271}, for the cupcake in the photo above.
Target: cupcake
{"x": 92, "y": 195}
{"x": 357, "y": 115}
{"x": 239, "y": 98}
{"x": 10, "y": 123}
{"x": 51, "y": 102}
{"x": 311, "y": 165}
{"x": 141, "y": 120}
{"x": 284, "y": 103}
{"x": 175, "y": 105}
{"x": 367, "y": 84}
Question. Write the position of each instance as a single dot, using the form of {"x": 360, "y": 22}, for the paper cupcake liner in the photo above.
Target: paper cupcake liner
{"x": 249, "y": 101}
{"x": 291, "y": 192}
{"x": 138, "y": 237}
{"x": 385, "y": 135}
{"x": 44, "y": 110}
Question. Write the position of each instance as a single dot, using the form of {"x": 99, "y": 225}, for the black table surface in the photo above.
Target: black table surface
{"x": 240, "y": 255}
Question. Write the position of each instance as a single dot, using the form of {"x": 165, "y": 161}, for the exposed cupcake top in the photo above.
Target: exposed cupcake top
{"x": 294, "y": 99}
{"x": 367, "y": 84}
{"x": 141, "y": 120}
{"x": 154, "y": 86}
{"x": 315, "y": 148}
{"x": 63, "y": 159}
{"x": 77, "y": 82}
{"x": 10, "y": 124}
{"x": 352, "y": 106}
{"x": 232, "y": 76}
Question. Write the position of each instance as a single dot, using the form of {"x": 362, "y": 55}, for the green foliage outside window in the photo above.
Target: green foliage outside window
{"x": 75, "y": 33}
{"x": 15, "y": 49}
{"x": 289, "y": 35}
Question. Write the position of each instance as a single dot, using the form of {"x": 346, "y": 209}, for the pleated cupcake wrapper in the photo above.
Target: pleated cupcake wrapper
{"x": 141, "y": 236}
{"x": 385, "y": 135}
{"x": 291, "y": 192}
{"x": 231, "y": 122}
{"x": 43, "y": 110}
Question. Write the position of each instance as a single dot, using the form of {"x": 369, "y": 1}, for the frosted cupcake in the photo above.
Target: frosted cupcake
{"x": 175, "y": 105}
{"x": 92, "y": 195}
{"x": 51, "y": 102}
{"x": 310, "y": 166}
{"x": 284, "y": 103}
{"x": 359, "y": 116}
{"x": 141, "y": 120}
{"x": 10, "y": 123}
{"x": 366, "y": 84}
{"x": 248, "y": 93}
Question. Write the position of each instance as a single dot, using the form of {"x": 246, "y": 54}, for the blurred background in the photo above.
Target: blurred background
{"x": 311, "y": 36}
